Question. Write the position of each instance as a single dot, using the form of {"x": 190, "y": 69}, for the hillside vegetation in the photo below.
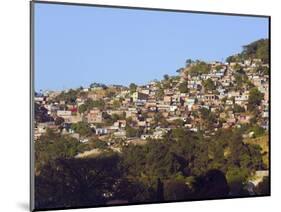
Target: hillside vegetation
{"x": 257, "y": 49}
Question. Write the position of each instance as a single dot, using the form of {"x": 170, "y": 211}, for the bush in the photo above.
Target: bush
{"x": 199, "y": 68}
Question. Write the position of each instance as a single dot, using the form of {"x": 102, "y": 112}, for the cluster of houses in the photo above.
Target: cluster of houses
{"x": 141, "y": 108}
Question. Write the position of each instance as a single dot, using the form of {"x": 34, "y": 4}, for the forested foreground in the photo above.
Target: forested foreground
{"x": 182, "y": 166}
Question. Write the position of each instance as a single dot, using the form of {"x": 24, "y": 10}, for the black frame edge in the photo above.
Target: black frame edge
{"x": 147, "y": 8}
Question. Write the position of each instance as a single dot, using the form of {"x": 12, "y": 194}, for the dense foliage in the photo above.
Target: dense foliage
{"x": 255, "y": 98}
{"x": 199, "y": 67}
{"x": 183, "y": 165}
{"x": 258, "y": 49}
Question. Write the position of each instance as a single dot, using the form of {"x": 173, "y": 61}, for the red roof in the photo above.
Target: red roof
{"x": 74, "y": 110}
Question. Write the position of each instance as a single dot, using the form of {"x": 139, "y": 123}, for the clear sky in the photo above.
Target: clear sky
{"x": 77, "y": 45}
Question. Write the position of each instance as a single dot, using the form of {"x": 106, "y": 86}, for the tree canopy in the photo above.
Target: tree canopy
{"x": 258, "y": 49}
{"x": 255, "y": 98}
{"x": 182, "y": 166}
{"x": 198, "y": 68}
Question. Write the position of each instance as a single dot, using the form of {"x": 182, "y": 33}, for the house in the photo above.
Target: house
{"x": 120, "y": 124}
{"x": 127, "y": 101}
{"x": 173, "y": 108}
{"x": 167, "y": 99}
{"x": 75, "y": 118}
{"x": 52, "y": 108}
{"x": 244, "y": 119}
{"x": 210, "y": 99}
{"x": 95, "y": 116}
{"x": 100, "y": 131}
{"x": 190, "y": 102}
{"x": 229, "y": 102}
{"x": 163, "y": 107}
{"x": 39, "y": 99}
{"x": 120, "y": 134}
{"x": 69, "y": 116}
{"x": 265, "y": 113}
{"x": 138, "y": 96}
{"x": 151, "y": 106}
{"x": 140, "y": 103}
{"x": 141, "y": 124}
{"x": 115, "y": 112}
{"x": 169, "y": 92}
{"x": 242, "y": 99}
{"x": 247, "y": 62}
{"x": 41, "y": 128}
{"x": 160, "y": 132}
{"x": 231, "y": 121}
{"x": 145, "y": 136}
{"x": 145, "y": 91}
{"x": 65, "y": 114}
{"x": 62, "y": 102}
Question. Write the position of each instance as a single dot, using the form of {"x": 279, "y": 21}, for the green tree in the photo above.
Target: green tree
{"x": 238, "y": 109}
{"x": 131, "y": 132}
{"x": 95, "y": 84}
{"x": 97, "y": 143}
{"x": 82, "y": 108}
{"x": 68, "y": 96}
{"x": 99, "y": 104}
{"x": 237, "y": 67}
{"x": 166, "y": 77}
{"x": 159, "y": 94}
{"x": 188, "y": 62}
{"x": 209, "y": 85}
{"x": 175, "y": 190}
{"x": 116, "y": 103}
{"x": 218, "y": 67}
{"x": 52, "y": 145}
{"x": 82, "y": 128}
{"x": 258, "y": 130}
{"x": 178, "y": 123}
{"x": 257, "y": 49}
{"x": 208, "y": 117}
{"x": 133, "y": 87}
{"x": 198, "y": 68}
{"x": 234, "y": 58}
{"x": 236, "y": 177}
{"x": 238, "y": 80}
{"x": 160, "y": 120}
{"x": 183, "y": 87}
{"x": 85, "y": 181}
{"x": 255, "y": 98}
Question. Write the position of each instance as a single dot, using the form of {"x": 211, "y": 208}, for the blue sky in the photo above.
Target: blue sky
{"x": 76, "y": 45}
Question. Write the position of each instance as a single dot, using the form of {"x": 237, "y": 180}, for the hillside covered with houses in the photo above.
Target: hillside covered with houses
{"x": 167, "y": 133}
{"x": 226, "y": 94}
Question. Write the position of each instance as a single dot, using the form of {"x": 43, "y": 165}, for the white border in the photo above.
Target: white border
{"x": 14, "y": 104}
